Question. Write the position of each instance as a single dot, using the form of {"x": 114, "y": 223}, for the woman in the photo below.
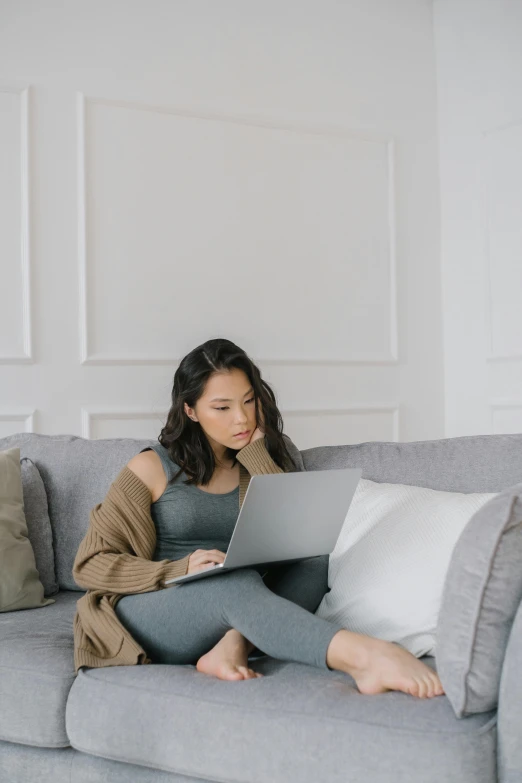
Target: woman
{"x": 172, "y": 510}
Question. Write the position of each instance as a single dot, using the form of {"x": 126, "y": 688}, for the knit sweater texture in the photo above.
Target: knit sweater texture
{"x": 114, "y": 559}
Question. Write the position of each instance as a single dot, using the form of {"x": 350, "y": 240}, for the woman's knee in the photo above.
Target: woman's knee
{"x": 240, "y": 582}
{"x": 243, "y": 575}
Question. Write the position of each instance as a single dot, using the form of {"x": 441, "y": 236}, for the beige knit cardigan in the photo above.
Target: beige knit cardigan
{"x": 114, "y": 559}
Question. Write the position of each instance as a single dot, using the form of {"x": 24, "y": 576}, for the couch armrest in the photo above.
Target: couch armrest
{"x": 510, "y": 707}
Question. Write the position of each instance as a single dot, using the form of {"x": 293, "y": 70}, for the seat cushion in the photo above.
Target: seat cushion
{"x": 36, "y": 672}
{"x": 296, "y": 724}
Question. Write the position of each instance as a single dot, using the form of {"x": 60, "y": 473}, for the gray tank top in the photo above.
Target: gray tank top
{"x": 187, "y": 518}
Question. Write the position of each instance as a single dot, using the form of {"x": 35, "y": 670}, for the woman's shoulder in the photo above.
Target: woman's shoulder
{"x": 148, "y": 467}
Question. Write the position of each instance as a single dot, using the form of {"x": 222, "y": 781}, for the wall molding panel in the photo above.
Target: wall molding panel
{"x": 25, "y": 245}
{"x": 87, "y": 357}
{"x": 368, "y": 410}
{"x": 497, "y": 407}
{"x": 89, "y": 415}
{"x": 26, "y": 418}
{"x": 491, "y": 354}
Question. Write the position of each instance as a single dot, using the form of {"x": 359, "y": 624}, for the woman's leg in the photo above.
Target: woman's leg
{"x": 180, "y": 624}
{"x": 304, "y": 582}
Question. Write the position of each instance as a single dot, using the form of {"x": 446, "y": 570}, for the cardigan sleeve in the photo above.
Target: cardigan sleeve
{"x": 115, "y": 553}
{"x": 256, "y": 459}
{"x": 98, "y": 566}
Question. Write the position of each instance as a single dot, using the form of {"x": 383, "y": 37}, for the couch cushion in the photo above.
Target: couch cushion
{"x": 389, "y": 564}
{"x": 296, "y": 724}
{"x": 471, "y": 463}
{"x": 24, "y": 764}
{"x": 36, "y": 672}
{"x": 481, "y": 596}
{"x": 39, "y": 525}
{"x": 20, "y": 585}
{"x": 77, "y": 474}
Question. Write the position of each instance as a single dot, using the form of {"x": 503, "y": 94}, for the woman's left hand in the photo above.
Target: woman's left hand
{"x": 258, "y": 432}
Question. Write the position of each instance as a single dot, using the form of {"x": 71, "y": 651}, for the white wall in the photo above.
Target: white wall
{"x": 479, "y": 70}
{"x": 176, "y": 171}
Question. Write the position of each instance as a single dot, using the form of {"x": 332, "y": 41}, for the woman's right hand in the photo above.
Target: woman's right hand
{"x": 203, "y": 558}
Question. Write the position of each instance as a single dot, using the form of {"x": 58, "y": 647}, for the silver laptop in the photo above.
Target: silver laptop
{"x": 286, "y": 517}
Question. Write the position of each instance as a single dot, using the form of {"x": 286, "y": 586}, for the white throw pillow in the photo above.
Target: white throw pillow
{"x": 387, "y": 570}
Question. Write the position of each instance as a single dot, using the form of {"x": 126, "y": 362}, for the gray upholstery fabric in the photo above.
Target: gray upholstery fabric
{"x": 471, "y": 463}
{"x": 23, "y": 764}
{"x": 77, "y": 474}
{"x": 38, "y": 524}
{"x": 36, "y": 672}
{"x": 297, "y": 724}
{"x": 510, "y": 708}
{"x": 92, "y": 769}
{"x": 482, "y": 592}
{"x": 485, "y": 463}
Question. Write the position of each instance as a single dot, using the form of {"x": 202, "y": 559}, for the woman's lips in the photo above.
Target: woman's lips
{"x": 242, "y": 434}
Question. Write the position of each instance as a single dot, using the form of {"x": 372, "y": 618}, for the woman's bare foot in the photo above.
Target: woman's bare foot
{"x": 379, "y": 666}
{"x": 228, "y": 660}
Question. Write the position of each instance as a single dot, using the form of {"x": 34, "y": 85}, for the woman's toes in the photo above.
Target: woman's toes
{"x": 430, "y": 687}
{"x": 413, "y": 690}
{"x": 248, "y": 674}
{"x": 436, "y": 686}
{"x": 231, "y": 675}
{"x": 423, "y": 689}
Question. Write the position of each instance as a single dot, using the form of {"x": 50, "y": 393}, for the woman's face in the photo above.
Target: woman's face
{"x": 227, "y": 407}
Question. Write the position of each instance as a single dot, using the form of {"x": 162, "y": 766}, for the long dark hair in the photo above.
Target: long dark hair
{"x": 184, "y": 438}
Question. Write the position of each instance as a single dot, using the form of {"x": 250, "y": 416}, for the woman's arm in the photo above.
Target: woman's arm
{"x": 256, "y": 459}
{"x": 98, "y": 566}
{"x": 115, "y": 554}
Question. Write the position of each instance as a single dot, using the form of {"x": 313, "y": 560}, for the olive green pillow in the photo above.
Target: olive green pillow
{"x": 20, "y": 585}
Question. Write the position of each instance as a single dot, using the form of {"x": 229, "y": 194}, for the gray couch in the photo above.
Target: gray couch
{"x": 156, "y": 723}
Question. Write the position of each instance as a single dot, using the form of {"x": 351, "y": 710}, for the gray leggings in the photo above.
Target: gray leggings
{"x": 177, "y": 625}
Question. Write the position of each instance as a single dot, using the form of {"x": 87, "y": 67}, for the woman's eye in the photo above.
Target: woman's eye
{"x": 226, "y": 406}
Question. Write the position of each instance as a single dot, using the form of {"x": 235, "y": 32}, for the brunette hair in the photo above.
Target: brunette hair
{"x": 185, "y": 439}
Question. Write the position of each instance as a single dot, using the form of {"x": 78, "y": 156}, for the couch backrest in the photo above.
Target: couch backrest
{"x": 470, "y": 463}
{"x": 78, "y": 472}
